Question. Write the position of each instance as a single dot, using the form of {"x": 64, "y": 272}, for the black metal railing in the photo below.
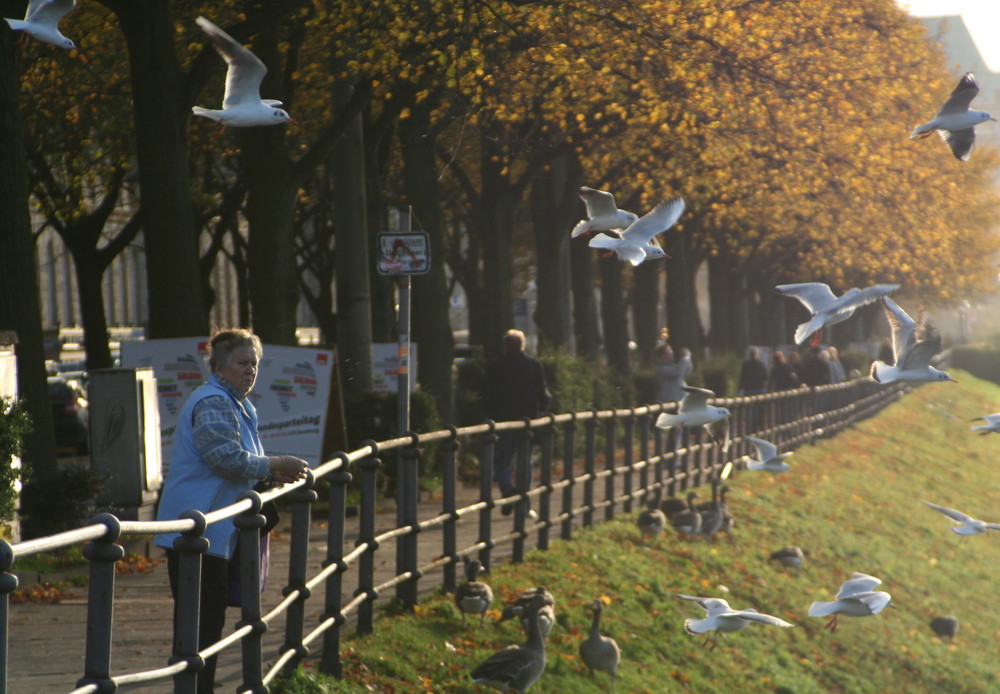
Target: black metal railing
{"x": 636, "y": 462}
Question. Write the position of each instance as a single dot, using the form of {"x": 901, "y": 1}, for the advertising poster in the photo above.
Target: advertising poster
{"x": 290, "y": 396}
{"x": 385, "y": 367}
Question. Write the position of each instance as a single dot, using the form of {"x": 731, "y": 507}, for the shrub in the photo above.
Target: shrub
{"x": 61, "y": 502}
{"x": 981, "y": 362}
{"x": 14, "y": 426}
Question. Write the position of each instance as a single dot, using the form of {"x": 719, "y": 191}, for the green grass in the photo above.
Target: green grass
{"x": 851, "y": 502}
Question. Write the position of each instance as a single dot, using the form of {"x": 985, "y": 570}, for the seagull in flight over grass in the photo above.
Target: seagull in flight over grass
{"x": 967, "y": 525}
{"x": 768, "y": 458}
{"x": 992, "y": 424}
{"x": 241, "y": 105}
{"x": 913, "y": 346}
{"x": 636, "y": 242}
{"x": 695, "y": 411}
{"x": 856, "y": 598}
{"x": 603, "y": 214}
{"x": 41, "y": 21}
{"x": 956, "y": 122}
{"x": 826, "y": 307}
{"x": 720, "y": 617}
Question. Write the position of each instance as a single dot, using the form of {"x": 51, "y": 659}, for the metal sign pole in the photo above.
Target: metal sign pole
{"x": 403, "y": 374}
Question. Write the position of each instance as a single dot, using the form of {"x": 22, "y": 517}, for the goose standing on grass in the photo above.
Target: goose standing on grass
{"x": 825, "y": 307}
{"x": 856, "y": 598}
{"x": 519, "y": 608}
{"x": 790, "y": 556}
{"x": 967, "y": 525}
{"x": 672, "y": 506}
{"x": 241, "y": 105}
{"x": 651, "y": 521}
{"x": 768, "y": 459}
{"x": 473, "y": 596}
{"x": 720, "y": 617}
{"x": 711, "y": 515}
{"x": 687, "y": 523}
{"x": 956, "y": 122}
{"x": 727, "y": 518}
{"x": 913, "y": 347}
{"x": 600, "y": 652}
{"x": 603, "y": 215}
{"x": 945, "y": 626}
{"x": 515, "y": 668}
{"x": 992, "y": 424}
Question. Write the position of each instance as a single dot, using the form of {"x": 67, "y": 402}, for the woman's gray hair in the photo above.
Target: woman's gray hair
{"x": 225, "y": 342}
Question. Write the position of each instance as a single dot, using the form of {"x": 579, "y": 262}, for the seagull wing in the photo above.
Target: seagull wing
{"x": 719, "y": 431}
{"x": 599, "y": 203}
{"x": 626, "y": 250}
{"x": 815, "y": 296}
{"x": 927, "y": 344}
{"x": 695, "y": 399}
{"x": 765, "y": 449}
{"x": 861, "y": 297}
{"x": 712, "y": 606}
{"x": 961, "y": 96}
{"x": 658, "y": 220}
{"x": 759, "y": 617}
{"x": 246, "y": 71}
{"x": 875, "y": 601}
{"x": 48, "y": 12}
{"x": 857, "y": 583}
{"x": 957, "y": 516}
{"x": 904, "y": 330}
{"x": 961, "y": 142}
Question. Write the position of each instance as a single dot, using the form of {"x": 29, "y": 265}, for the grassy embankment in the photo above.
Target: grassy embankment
{"x": 853, "y": 503}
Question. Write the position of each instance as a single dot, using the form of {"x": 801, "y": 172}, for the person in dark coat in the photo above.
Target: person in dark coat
{"x": 816, "y": 368}
{"x": 753, "y": 373}
{"x": 513, "y": 388}
{"x": 783, "y": 376}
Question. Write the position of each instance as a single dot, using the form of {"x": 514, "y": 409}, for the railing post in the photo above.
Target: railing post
{"x": 366, "y": 536}
{"x": 249, "y": 524}
{"x": 190, "y": 547}
{"x": 589, "y": 468}
{"x": 489, "y": 441}
{"x": 643, "y": 424}
{"x": 547, "y": 447}
{"x": 524, "y": 481}
{"x": 298, "y": 560}
{"x": 407, "y": 497}
{"x": 628, "y": 459}
{"x": 338, "y": 480}
{"x": 8, "y": 584}
{"x": 102, "y": 555}
{"x": 569, "y": 455}
{"x": 449, "y": 505}
{"x": 610, "y": 447}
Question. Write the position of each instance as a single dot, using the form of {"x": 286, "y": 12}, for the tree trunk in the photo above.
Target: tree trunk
{"x": 683, "y": 321}
{"x": 614, "y": 316}
{"x": 496, "y": 224}
{"x": 346, "y": 165}
{"x": 586, "y": 331}
{"x": 432, "y": 332}
{"x": 378, "y": 142}
{"x": 645, "y": 307}
{"x": 92, "y": 312}
{"x": 176, "y": 304}
{"x": 19, "y": 292}
{"x": 554, "y": 207}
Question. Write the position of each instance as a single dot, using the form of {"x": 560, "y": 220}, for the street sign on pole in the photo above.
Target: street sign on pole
{"x": 403, "y": 253}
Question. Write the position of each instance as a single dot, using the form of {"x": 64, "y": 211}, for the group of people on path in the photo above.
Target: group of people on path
{"x": 820, "y": 366}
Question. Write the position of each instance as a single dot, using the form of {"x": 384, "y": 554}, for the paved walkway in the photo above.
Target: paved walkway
{"x": 46, "y": 651}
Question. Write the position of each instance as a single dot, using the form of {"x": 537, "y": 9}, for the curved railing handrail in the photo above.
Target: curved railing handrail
{"x": 820, "y": 411}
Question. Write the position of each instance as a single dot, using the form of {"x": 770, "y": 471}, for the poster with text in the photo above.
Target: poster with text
{"x": 290, "y": 396}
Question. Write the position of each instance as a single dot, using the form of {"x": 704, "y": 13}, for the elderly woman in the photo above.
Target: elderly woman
{"x": 217, "y": 455}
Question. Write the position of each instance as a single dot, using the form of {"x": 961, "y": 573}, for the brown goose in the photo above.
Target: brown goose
{"x": 945, "y": 626}
{"x": 515, "y": 668}
{"x": 687, "y": 523}
{"x": 651, "y": 521}
{"x": 790, "y": 556}
{"x": 473, "y": 596}
{"x": 600, "y": 652}
{"x": 518, "y": 608}
{"x": 711, "y": 515}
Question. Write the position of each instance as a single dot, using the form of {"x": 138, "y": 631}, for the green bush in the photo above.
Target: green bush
{"x": 981, "y": 362}
{"x": 14, "y": 426}
{"x": 720, "y": 373}
{"x": 61, "y": 502}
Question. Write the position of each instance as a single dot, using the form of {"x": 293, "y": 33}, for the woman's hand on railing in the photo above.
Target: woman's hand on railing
{"x": 286, "y": 469}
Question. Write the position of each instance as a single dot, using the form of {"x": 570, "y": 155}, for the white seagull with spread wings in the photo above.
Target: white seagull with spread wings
{"x": 967, "y": 525}
{"x": 826, "y": 307}
{"x": 41, "y": 21}
{"x": 913, "y": 347}
{"x": 856, "y": 598}
{"x": 956, "y": 122}
{"x": 603, "y": 214}
{"x": 241, "y": 106}
{"x": 720, "y": 617}
{"x": 636, "y": 242}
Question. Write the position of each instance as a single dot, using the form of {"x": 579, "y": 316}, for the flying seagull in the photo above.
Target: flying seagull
{"x": 826, "y": 307}
{"x": 695, "y": 411}
{"x": 992, "y": 424}
{"x": 967, "y": 525}
{"x": 241, "y": 105}
{"x": 913, "y": 347}
{"x": 768, "y": 458}
{"x": 41, "y": 21}
{"x": 956, "y": 122}
{"x": 720, "y": 617}
{"x": 856, "y": 598}
{"x": 636, "y": 242}
{"x": 603, "y": 214}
